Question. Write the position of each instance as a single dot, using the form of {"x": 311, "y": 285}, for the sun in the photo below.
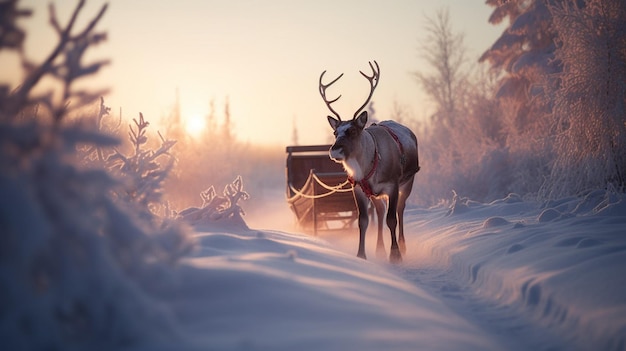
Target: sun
{"x": 195, "y": 125}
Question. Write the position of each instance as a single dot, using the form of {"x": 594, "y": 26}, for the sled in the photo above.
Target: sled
{"x": 318, "y": 191}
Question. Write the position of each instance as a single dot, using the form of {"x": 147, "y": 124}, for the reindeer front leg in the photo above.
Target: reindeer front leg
{"x": 362, "y": 202}
{"x": 379, "y": 205}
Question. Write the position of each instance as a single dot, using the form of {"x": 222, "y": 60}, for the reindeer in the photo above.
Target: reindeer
{"x": 381, "y": 162}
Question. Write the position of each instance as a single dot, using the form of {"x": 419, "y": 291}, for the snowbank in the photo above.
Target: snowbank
{"x": 549, "y": 275}
{"x": 509, "y": 275}
{"x": 559, "y": 264}
{"x": 269, "y": 290}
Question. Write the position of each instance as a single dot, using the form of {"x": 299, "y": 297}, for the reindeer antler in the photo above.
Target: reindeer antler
{"x": 323, "y": 87}
{"x": 373, "y": 79}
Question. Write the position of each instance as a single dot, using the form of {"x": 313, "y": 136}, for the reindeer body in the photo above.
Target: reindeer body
{"x": 381, "y": 165}
{"x": 381, "y": 162}
{"x": 392, "y": 139}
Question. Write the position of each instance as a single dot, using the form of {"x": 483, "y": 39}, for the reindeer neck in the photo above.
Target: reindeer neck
{"x": 361, "y": 165}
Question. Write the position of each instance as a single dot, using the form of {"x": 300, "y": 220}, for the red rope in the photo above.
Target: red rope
{"x": 364, "y": 183}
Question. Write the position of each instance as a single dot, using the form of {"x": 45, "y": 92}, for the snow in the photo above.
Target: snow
{"x": 558, "y": 264}
{"x": 508, "y": 275}
{"x": 269, "y": 290}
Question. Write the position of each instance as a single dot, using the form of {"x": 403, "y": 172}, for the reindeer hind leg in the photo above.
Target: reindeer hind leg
{"x": 392, "y": 222}
{"x": 405, "y": 191}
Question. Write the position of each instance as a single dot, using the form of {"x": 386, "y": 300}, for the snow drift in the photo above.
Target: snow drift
{"x": 268, "y": 290}
{"x": 508, "y": 275}
{"x": 558, "y": 264}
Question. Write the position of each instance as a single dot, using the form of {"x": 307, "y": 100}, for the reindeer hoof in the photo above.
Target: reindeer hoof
{"x": 402, "y": 246}
{"x": 361, "y": 255}
{"x": 395, "y": 256}
{"x": 380, "y": 253}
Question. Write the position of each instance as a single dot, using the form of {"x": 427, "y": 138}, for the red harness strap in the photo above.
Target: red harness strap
{"x": 395, "y": 137}
{"x": 364, "y": 183}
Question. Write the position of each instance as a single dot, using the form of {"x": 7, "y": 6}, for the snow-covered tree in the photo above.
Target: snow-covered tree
{"x": 228, "y": 135}
{"x": 211, "y": 123}
{"x": 401, "y": 114}
{"x": 457, "y": 145}
{"x": 524, "y": 55}
{"x": 77, "y": 271}
{"x": 590, "y": 102}
{"x": 11, "y": 36}
{"x": 371, "y": 113}
{"x": 524, "y": 58}
{"x": 294, "y": 132}
{"x": 216, "y": 156}
{"x": 445, "y": 53}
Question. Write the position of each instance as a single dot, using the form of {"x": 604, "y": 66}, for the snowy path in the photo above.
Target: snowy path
{"x": 515, "y": 275}
{"x": 502, "y": 324}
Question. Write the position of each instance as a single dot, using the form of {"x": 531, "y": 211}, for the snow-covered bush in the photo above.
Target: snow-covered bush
{"x": 219, "y": 211}
{"x": 141, "y": 172}
{"x": 77, "y": 270}
{"x": 94, "y": 155}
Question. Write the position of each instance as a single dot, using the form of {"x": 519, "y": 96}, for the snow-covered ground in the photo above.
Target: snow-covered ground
{"x": 509, "y": 275}
{"x": 544, "y": 276}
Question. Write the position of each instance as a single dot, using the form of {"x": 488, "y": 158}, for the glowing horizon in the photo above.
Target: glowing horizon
{"x": 264, "y": 57}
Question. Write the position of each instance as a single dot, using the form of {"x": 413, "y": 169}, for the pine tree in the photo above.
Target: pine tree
{"x": 524, "y": 54}
{"x": 294, "y": 132}
{"x": 227, "y": 128}
{"x": 211, "y": 124}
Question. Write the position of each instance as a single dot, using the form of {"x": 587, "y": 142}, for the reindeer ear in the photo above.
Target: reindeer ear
{"x": 361, "y": 120}
{"x": 334, "y": 122}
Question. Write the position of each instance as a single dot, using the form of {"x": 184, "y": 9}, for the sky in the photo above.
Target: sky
{"x": 265, "y": 57}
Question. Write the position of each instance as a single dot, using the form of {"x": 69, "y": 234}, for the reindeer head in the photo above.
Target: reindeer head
{"x": 348, "y": 133}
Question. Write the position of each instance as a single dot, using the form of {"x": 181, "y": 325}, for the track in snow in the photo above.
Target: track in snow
{"x": 508, "y": 327}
